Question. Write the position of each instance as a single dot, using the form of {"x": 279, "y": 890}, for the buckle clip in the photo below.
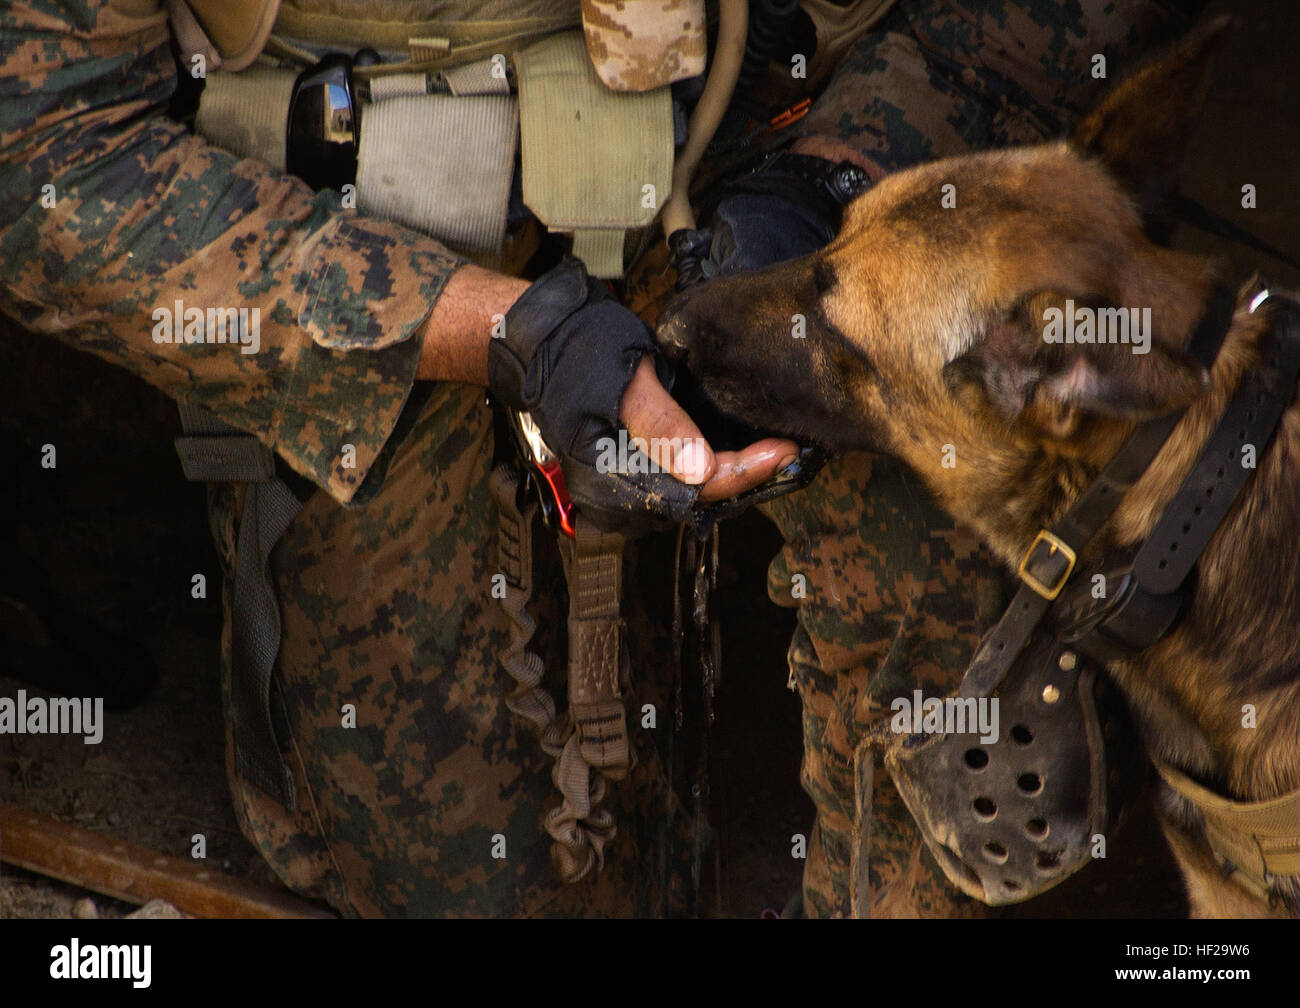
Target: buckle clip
{"x": 1054, "y": 544}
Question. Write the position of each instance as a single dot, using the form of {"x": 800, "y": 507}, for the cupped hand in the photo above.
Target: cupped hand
{"x": 676, "y": 445}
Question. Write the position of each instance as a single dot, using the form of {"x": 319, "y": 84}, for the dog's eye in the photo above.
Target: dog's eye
{"x": 823, "y": 277}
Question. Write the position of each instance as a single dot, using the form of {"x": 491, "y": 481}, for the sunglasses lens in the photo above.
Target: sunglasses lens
{"x": 323, "y": 125}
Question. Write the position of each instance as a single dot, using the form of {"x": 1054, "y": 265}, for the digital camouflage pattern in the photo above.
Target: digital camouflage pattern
{"x": 386, "y": 603}
{"x": 645, "y": 45}
{"x": 891, "y": 598}
{"x": 388, "y": 606}
{"x": 145, "y": 214}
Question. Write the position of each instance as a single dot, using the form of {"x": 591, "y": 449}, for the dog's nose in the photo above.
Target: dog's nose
{"x": 672, "y": 334}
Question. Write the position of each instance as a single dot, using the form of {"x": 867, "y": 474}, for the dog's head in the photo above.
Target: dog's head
{"x": 926, "y": 328}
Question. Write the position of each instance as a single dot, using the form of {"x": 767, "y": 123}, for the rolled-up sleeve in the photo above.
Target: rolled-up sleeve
{"x": 114, "y": 217}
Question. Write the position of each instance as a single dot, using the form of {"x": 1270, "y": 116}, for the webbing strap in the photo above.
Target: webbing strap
{"x": 601, "y": 250}
{"x": 411, "y": 85}
{"x": 595, "y": 648}
{"x": 1260, "y": 839}
{"x": 480, "y": 78}
{"x": 515, "y": 555}
{"x": 864, "y": 782}
{"x": 269, "y": 508}
{"x": 597, "y": 750}
{"x": 580, "y": 830}
{"x": 320, "y": 28}
{"x": 212, "y": 451}
{"x": 246, "y": 113}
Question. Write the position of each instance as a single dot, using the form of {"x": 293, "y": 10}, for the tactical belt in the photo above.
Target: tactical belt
{"x": 1142, "y": 604}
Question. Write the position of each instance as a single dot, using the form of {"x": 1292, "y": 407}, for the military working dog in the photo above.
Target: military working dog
{"x": 938, "y": 330}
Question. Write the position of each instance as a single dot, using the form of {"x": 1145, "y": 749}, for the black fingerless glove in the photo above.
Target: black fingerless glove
{"x": 789, "y": 206}
{"x": 566, "y": 357}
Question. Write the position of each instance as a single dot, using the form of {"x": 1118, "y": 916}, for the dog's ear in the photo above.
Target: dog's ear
{"x": 1142, "y": 128}
{"x": 1051, "y": 386}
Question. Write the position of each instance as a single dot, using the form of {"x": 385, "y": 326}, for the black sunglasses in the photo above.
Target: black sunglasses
{"x": 323, "y": 129}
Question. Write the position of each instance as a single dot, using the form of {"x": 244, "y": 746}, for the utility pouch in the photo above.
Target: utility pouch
{"x": 595, "y": 162}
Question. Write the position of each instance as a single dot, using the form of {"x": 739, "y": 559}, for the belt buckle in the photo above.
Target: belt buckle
{"x": 1055, "y": 544}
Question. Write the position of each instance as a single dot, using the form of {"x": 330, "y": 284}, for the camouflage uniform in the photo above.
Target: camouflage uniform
{"x": 385, "y": 601}
{"x": 384, "y": 577}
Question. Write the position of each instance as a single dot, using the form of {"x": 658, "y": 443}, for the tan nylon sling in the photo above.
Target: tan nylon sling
{"x": 592, "y": 747}
{"x": 434, "y": 45}
{"x": 1259, "y": 839}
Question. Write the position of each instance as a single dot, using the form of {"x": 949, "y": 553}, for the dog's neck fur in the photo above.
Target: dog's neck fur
{"x": 1248, "y": 590}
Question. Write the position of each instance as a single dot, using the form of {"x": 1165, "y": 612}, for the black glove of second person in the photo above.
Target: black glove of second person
{"x": 787, "y": 207}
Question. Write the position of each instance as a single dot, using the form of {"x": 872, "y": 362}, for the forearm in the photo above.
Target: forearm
{"x": 455, "y": 336}
{"x": 114, "y": 215}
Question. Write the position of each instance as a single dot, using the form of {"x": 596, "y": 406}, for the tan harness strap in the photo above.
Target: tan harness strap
{"x": 1260, "y": 839}
{"x": 596, "y": 734}
{"x": 515, "y": 555}
{"x": 319, "y": 28}
{"x": 433, "y": 45}
{"x": 597, "y": 750}
{"x": 595, "y": 649}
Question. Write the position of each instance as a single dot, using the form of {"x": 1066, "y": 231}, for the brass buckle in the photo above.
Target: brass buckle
{"x": 1054, "y": 543}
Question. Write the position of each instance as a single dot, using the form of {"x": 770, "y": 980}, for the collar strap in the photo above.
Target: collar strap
{"x": 1228, "y": 458}
{"x": 1051, "y": 558}
{"x": 1260, "y": 840}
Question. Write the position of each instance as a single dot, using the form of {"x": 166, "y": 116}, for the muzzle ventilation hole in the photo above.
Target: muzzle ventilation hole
{"x": 995, "y": 852}
{"x": 1021, "y": 735}
{"x": 977, "y": 759}
{"x": 1029, "y": 783}
{"x": 1036, "y": 828}
{"x": 1048, "y": 862}
{"x": 986, "y": 809}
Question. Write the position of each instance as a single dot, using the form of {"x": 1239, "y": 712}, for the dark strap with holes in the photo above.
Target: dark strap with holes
{"x": 1046, "y": 564}
{"x": 1203, "y": 501}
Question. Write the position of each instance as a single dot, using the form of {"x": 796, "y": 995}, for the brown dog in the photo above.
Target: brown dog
{"x": 923, "y": 337}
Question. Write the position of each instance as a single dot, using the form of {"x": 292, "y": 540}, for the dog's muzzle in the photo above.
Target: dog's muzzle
{"x": 1009, "y": 819}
